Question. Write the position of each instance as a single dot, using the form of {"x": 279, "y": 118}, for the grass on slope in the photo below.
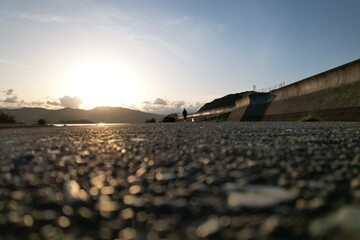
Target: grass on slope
{"x": 226, "y": 101}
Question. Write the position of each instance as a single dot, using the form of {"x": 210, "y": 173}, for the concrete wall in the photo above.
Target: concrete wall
{"x": 251, "y": 107}
{"x": 240, "y": 108}
{"x": 336, "y": 77}
{"x": 333, "y": 95}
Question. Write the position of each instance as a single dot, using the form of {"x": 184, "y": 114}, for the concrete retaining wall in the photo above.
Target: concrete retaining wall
{"x": 333, "y": 95}
{"x": 251, "y": 107}
{"x": 240, "y": 108}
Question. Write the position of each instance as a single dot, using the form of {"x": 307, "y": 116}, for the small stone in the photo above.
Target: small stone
{"x": 26, "y": 158}
{"x": 64, "y": 222}
{"x": 108, "y": 190}
{"x": 73, "y": 192}
{"x": 85, "y": 213}
{"x": 162, "y": 225}
{"x": 134, "y": 201}
{"x": 246, "y": 234}
{"x": 127, "y": 213}
{"x": 127, "y": 233}
{"x": 105, "y": 204}
{"x": 230, "y": 186}
{"x": 18, "y": 195}
{"x": 165, "y": 176}
{"x": 343, "y": 224}
{"x": 259, "y": 197}
{"x": 209, "y": 227}
{"x": 135, "y": 189}
{"x": 270, "y": 225}
{"x": 356, "y": 195}
{"x": 355, "y": 183}
{"x": 198, "y": 187}
{"x": 160, "y": 201}
{"x": 138, "y": 139}
{"x": 225, "y": 221}
{"x": 182, "y": 192}
{"x": 315, "y": 203}
{"x": 177, "y": 203}
{"x": 318, "y": 185}
{"x": 28, "y": 221}
{"x": 67, "y": 210}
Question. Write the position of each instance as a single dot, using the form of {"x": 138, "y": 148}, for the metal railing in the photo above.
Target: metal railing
{"x": 218, "y": 111}
{"x": 268, "y": 89}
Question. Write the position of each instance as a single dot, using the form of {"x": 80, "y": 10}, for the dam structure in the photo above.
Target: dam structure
{"x": 333, "y": 95}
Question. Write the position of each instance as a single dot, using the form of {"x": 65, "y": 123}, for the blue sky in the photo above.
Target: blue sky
{"x": 161, "y": 56}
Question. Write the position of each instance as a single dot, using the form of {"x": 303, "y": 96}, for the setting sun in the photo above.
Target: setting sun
{"x": 102, "y": 83}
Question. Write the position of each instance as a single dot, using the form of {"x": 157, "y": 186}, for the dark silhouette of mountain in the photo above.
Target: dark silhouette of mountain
{"x": 98, "y": 114}
{"x": 4, "y": 118}
{"x": 226, "y": 101}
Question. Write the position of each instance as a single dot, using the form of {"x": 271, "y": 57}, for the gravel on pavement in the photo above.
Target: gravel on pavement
{"x": 181, "y": 181}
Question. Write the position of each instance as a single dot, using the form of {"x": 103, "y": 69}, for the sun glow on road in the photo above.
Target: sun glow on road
{"x": 103, "y": 83}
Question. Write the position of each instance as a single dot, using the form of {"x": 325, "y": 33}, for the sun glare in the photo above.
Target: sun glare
{"x": 103, "y": 84}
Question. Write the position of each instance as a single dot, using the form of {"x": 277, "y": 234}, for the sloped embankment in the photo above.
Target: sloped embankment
{"x": 333, "y": 95}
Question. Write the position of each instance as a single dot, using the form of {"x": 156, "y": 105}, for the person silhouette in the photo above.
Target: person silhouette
{"x": 184, "y": 114}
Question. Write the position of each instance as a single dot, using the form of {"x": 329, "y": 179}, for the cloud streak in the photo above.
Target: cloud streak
{"x": 10, "y": 97}
{"x": 164, "y": 107}
{"x": 43, "y": 18}
{"x": 178, "y": 21}
{"x": 157, "y": 47}
{"x": 9, "y": 92}
{"x": 196, "y": 24}
{"x": 70, "y": 102}
{"x": 160, "y": 101}
{"x": 53, "y": 103}
{"x": 8, "y": 62}
{"x": 11, "y": 100}
{"x": 159, "y": 105}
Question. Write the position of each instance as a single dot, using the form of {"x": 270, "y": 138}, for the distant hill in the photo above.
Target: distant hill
{"x": 4, "y": 118}
{"x": 99, "y": 114}
{"x": 226, "y": 101}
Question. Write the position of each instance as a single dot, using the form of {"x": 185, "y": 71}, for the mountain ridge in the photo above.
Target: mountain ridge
{"x": 97, "y": 114}
{"x": 225, "y": 101}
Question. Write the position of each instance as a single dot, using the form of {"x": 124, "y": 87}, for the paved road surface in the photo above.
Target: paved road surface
{"x": 181, "y": 181}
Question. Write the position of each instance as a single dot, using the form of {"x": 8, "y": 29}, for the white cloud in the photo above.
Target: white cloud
{"x": 13, "y": 63}
{"x": 169, "y": 107}
{"x": 160, "y": 101}
{"x": 179, "y": 104}
{"x": 10, "y": 97}
{"x": 159, "y": 48}
{"x": 13, "y": 99}
{"x": 70, "y": 102}
{"x": 194, "y": 107}
{"x": 178, "y": 20}
{"x": 53, "y": 103}
{"x": 9, "y": 92}
{"x": 37, "y": 103}
{"x": 196, "y": 24}
{"x": 43, "y": 18}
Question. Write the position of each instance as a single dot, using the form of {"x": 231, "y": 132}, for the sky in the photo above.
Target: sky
{"x": 162, "y": 56}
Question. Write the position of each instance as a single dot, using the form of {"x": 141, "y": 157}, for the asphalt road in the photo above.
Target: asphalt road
{"x": 181, "y": 181}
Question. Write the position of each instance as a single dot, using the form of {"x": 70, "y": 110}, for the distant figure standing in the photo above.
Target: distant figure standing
{"x": 184, "y": 114}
